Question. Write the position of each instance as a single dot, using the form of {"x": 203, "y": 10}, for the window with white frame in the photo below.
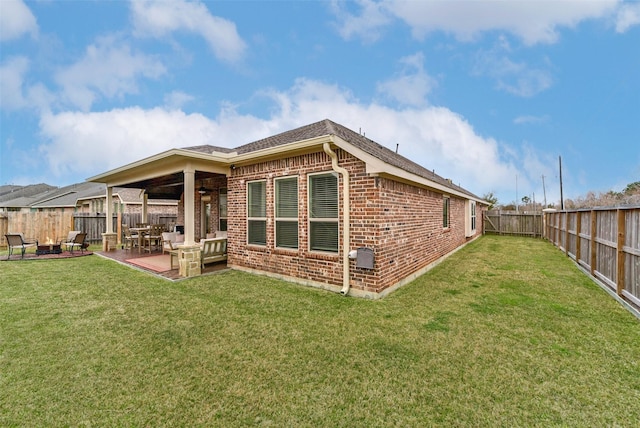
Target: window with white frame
{"x": 472, "y": 213}
{"x": 222, "y": 209}
{"x": 257, "y": 212}
{"x": 323, "y": 212}
{"x": 445, "y": 212}
{"x": 286, "y": 212}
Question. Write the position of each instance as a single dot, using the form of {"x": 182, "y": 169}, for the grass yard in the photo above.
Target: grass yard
{"x": 506, "y": 332}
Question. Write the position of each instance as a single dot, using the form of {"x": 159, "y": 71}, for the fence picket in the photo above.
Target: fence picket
{"x": 609, "y": 240}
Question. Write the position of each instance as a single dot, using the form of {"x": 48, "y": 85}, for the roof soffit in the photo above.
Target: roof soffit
{"x": 167, "y": 163}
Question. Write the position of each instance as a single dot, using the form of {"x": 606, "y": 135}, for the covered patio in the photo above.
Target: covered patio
{"x": 125, "y": 256}
{"x": 196, "y": 176}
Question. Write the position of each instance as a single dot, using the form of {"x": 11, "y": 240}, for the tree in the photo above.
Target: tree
{"x": 491, "y": 198}
{"x": 629, "y": 196}
{"x": 632, "y": 188}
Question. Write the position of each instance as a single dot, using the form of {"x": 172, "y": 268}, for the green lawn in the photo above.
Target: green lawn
{"x": 506, "y": 332}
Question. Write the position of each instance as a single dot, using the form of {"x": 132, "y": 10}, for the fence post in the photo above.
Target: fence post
{"x": 578, "y": 228}
{"x": 620, "y": 258}
{"x": 119, "y": 227}
{"x": 592, "y": 262}
{"x": 566, "y": 233}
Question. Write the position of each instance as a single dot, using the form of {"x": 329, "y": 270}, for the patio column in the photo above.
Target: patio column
{"x": 109, "y": 238}
{"x": 189, "y": 208}
{"x": 109, "y": 210}
{"x": 145, "y": 200}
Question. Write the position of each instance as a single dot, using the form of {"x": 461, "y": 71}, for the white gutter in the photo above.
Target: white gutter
{"x": 345, "y": 214}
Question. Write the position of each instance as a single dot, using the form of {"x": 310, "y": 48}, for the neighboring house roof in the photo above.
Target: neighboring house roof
{"x": 24, "y": 196}
{"x": 18, "y": 196}
{"x": 8, "y": 188}
{"x": 40, "y": 196}
{"x": 66, "y": 197}
{"x": 70, "y": 195}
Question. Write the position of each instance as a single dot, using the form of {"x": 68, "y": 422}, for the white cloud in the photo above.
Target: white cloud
{"x": 434, "y": 137}
{"x": 532, "y": 21}
{"x": 517, "y": 78}
{"x": 16, "y": 20}
{"x": 368, "y": 25}
{"x": 160, "y": 18}
{"x": 110, "y": 69}
{"x": 628, "y": 16}
{"x": 412, "y": 85}
{"x": 90, "y": 142}
{"x": 15, "y": 94}
{"x": 11, "y": 80}
{"x": 177, "y": 99}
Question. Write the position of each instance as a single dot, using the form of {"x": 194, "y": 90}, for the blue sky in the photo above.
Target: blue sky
{"x": 487, "y": 93}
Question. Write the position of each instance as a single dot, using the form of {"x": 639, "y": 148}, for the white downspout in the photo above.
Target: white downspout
{"x": 345, "y": 213}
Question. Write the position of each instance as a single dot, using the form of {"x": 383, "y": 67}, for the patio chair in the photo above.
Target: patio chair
{"x": 171, "y": 240}
{"x": 69, "y": 238}
{"x": 78, "y": 242}
{"x": 130, "y": 238}
{"x": 154, "y": 237}
{"x": 16, "y": 240}
{"x": 213, "y": 250}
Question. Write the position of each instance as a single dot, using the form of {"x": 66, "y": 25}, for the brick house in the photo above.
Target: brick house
{"x": 320, "y": 205}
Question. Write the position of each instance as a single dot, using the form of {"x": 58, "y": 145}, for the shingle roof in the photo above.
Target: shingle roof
{"x": 209, "y": 149}
{"x": 12, "y": 195}
{"x": 328, "y": 127}
{"x": 68, "y": 195}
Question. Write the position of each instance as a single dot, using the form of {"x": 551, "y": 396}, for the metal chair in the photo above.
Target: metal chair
{"x": 16, "y": 240}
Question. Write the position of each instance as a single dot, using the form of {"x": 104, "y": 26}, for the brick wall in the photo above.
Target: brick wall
{"x": 300, "y": 263}
{"x": 401, "y": 223}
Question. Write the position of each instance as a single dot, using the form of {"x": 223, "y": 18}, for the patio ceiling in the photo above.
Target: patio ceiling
{"x": 162, "y": 175}
{"x": 170, "y": 186}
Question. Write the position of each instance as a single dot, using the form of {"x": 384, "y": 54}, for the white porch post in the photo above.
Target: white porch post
{"x": 189, "y": 252}
{"x": 109, "y": 210}
{"x": 109, "y": 238}
{"x": 189, "y": 208}
{"x": 145, "y": 200}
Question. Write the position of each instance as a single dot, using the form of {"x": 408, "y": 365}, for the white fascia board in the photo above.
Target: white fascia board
{"x": 376, "y": 166}
{"x": 170, "y": 161}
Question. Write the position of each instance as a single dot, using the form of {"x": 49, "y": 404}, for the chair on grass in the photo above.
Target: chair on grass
{"x": 16, "y": 240}
{"x": 69, "y": 238}
{"x": 79, "y": 241}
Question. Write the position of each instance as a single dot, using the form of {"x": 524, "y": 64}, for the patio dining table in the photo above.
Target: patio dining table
{"x": 140, "y": 231}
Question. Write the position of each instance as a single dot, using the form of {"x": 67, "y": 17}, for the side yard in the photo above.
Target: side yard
{"x": 506, "y": 332}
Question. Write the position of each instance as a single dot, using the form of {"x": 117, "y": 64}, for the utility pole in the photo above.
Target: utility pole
{"x": 544, "y": 189}
{"x": 561, "y": 195}
{"x": 516, "y": 192}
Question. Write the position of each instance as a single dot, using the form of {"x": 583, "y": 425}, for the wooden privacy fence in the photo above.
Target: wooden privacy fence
{"x": 94, "y": 225}
{"x": 37, "y": 225}
{"x": 606, "y": 242}
{"x": 512, "y": 223}
{"x": 56, "y": 225}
